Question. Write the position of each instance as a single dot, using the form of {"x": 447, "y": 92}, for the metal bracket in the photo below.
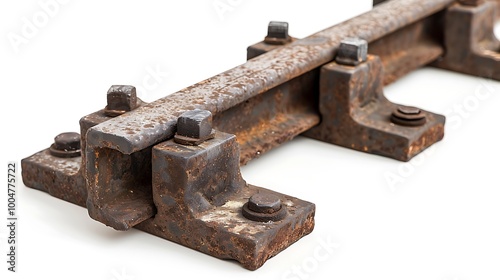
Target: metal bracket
{"x": 358, "y": 116}
{"x": 171, "y": 167}
{"x": 471, "y": 45}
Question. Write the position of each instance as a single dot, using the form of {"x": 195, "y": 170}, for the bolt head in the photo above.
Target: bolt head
{"x": 408, "y": 110}
{"x": 264, "y": 203}
{"x": 277, "y": 29}
{"x": 352, "y": 51}
{"x": 195, "y": 124}
{"x": 66, "y": 145}
{"x": 68, "y": 141}
{"x": 277, "y": 33}
{"x": 408, "y": 116}
{"x": 121, "y": 99}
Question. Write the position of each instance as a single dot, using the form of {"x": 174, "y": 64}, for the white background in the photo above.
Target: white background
{"x": 439, "y": 220}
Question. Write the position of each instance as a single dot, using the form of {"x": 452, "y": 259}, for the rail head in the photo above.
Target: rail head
{"x": 155, "y": 122}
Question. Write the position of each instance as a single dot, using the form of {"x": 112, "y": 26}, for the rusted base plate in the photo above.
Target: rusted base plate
{"x": 60, "y": 177}
{"x": 224, "y": 233}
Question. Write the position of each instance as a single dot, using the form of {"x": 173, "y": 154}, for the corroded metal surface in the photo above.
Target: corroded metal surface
{"x": 60, "y": 177}
{"x": 131, "y": 172}
{"x": 156, "y": 121}
{"x": 497, "y": 2}
{"x": 129, "y": 138}
{"x": 272, "y": 118}
{"x": 356, "y": 115}
{"x": 471, "y": 45}
{"x": 410, "y": 47}
{"x": 199, "y": 194}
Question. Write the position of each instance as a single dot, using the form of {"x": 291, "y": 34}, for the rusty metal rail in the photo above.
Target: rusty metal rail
{"x": 171, "y": 167}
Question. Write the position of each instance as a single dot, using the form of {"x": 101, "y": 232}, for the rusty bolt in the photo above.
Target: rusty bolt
{"x": 352, "y": 51}
{"x": 66, "y": 145}
{"x": 408, "y": 110}
{"x": 408, "y": 116}
{"x": 262, "y": 203}
{"x": 277, "y": 29}
{"x": 277, "y": 33}
{"x": 121, "y": 99}
{"x": 264, "y": 207}
{"x": 194, "y": 127}
{"x": 195, "y": 124}
{"x": 474, "y": 3}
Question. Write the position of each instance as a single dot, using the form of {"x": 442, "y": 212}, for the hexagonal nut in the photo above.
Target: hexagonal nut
{"x": 195, "y": 124}
{"x": 352, "y": 51}
{"x": 264, "y": 207}
{"x": 408, "y": 116}
{"x": 121, "y": 98}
